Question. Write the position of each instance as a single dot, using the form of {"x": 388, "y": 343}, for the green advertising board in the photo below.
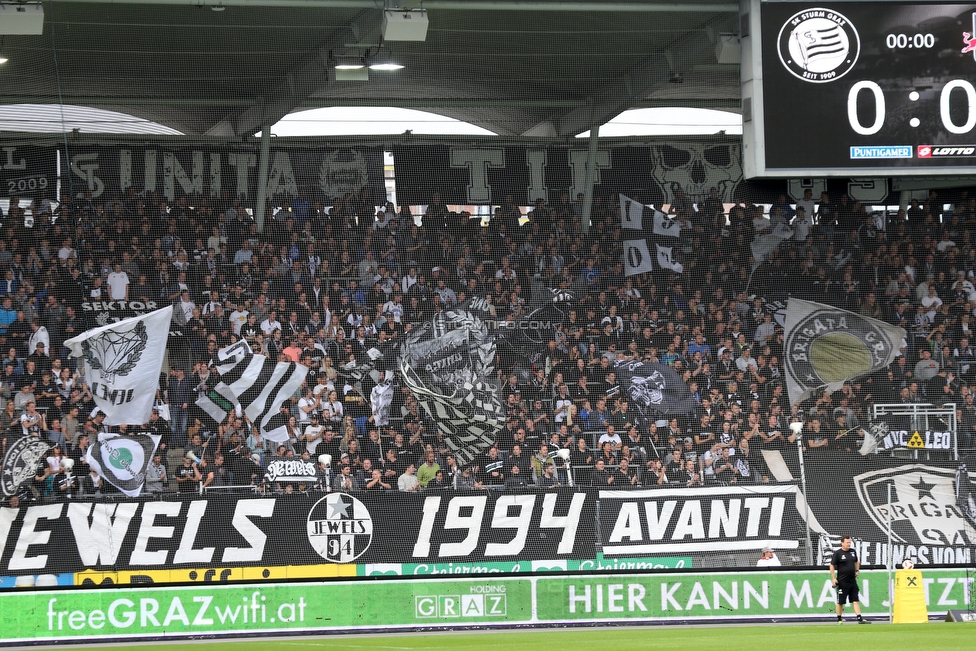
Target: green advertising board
{"x": 725, "y": 595}
{"x": 215, "y": 609}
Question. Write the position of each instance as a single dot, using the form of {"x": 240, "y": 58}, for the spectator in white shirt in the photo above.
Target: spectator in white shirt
{"x": 270, "y": 324}
{"x": 118, "y": 284}
{"x": 408, "y": 482}
{"x": 768, "y": 558}
{"x": 611, "y": 437}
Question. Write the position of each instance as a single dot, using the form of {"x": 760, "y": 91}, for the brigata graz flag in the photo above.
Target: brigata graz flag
{"x": 654, "y": 388}
{"x": 448, "y": 363}
{"x": 827, "y": 346}
{"x": 122, "y": 363}
{"x": 122, "y": 460}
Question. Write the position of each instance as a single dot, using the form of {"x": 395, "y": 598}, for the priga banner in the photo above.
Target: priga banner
{"x": 711, "y": 519}
{"x": 933, "y": 519}
{"x": 191, "y": 171}
{"x": 296, "y": 530}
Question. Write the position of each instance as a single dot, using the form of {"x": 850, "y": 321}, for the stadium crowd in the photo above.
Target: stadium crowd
{"x": 322, "y": 284}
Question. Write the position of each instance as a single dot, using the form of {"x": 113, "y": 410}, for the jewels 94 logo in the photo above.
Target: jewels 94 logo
{"x": 947, "y": 151}
{"x": 340, "y": 528}
{"x": 818, "y": 45}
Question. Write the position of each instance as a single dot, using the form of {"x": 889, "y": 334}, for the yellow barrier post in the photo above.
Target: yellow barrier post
{"x": 910, "y": 598}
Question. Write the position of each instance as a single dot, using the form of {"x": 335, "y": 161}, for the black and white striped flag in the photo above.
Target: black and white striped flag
{"x": 255, "y": 383}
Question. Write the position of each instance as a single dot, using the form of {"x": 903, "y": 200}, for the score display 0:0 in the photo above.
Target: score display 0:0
{"x": 879, "y": 105}
{"x": 27, "y": 183}
{"x": 904, "y": 41}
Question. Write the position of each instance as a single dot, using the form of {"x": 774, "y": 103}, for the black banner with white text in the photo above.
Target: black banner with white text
{"x": 296, "y": 530}
{"x": 207, "y": 172}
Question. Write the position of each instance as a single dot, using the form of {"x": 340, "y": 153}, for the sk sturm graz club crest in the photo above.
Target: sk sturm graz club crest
{"x": 340, "y": 528}
{"x": 116, "y": 353}
{"x": 20, "y": 462}
{"x": 818, "y": 45}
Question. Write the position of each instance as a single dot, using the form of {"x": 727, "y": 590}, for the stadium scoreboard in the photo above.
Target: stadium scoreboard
{"x": 854, "y": 88}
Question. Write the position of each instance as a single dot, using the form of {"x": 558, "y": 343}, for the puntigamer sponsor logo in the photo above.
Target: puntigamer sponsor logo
{"x": 895, "y": 151}
{"x": 201, "y": 611}
{"x": 481, "y": 601}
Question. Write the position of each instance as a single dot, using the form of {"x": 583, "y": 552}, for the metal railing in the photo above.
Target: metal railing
{"x": 921, "y": 415}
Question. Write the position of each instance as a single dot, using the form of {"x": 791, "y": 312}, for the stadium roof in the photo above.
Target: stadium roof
{"x": 538, "y": 68}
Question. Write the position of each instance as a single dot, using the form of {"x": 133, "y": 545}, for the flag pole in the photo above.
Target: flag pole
{"x": 891, "y": 596}
{"x": 803, "y": 481}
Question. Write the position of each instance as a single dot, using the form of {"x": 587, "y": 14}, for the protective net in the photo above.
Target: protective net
{"x": 231, "y": 356}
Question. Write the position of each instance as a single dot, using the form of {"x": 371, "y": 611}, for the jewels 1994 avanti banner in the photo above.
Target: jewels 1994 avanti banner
{"x": 225, "y": 538}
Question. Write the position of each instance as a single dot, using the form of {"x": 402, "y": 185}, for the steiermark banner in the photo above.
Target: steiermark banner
{"x": 215, "y": 609}
{"x": 727, "y": 595}
{"x": 600, "y": 563}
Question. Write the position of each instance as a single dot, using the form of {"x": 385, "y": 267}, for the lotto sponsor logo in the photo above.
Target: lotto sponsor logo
{"x": 956, "y": 151}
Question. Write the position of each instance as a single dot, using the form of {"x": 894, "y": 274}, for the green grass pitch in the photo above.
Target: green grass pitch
{"x": 799, "y": 637}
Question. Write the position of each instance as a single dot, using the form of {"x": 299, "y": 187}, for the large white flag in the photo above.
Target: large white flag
{"x": 666, "y": 226}
{"x": 122, "y": 362}
{"x": 826, "y": 346}
{"x": 665, "y": 259}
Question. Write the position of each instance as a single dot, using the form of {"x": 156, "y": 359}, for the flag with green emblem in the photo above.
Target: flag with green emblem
{"x": 122, "y": 460}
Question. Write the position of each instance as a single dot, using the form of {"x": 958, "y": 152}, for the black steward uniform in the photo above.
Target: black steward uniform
{"x": 845, "y": 564}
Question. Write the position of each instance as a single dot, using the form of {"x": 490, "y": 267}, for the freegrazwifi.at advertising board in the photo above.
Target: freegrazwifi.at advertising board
{"x": 216, "y": 609}
{"x": 31, "y": 616}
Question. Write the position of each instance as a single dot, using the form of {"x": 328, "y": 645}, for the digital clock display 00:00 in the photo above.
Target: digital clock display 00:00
{"x": 904, "y": 41}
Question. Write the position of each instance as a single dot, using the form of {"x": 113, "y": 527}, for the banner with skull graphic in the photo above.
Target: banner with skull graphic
{"x": 654, "y": 388}
{"x": 472, "y": 174}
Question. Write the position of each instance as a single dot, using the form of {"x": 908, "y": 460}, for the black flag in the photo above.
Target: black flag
{"x": 655, "y": 388}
